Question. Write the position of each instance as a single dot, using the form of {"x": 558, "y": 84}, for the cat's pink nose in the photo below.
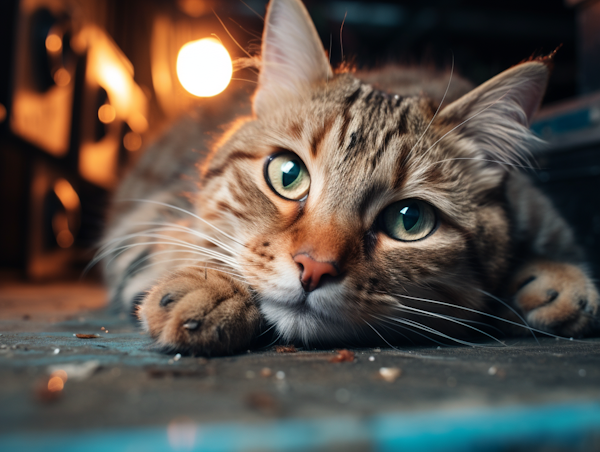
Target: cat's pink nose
{"x": 312, "y": 271}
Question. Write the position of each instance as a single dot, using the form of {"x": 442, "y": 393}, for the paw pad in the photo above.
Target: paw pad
{"x": 557, "y": 297}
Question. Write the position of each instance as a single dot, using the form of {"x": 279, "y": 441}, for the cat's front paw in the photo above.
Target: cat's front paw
{"x": 557, "y": 297}
{"x": 198, "y": 312}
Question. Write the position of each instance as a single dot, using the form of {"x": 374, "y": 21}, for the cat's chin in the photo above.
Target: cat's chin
{"x": 308, "y": 318}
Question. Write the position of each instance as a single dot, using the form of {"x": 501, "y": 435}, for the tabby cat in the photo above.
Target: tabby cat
{"x": 335, "y": 213}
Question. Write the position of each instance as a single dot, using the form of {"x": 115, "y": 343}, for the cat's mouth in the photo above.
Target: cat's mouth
{"x": 309, "y": 316}
{"x": 319, "y": 302}
{"x": 325, "y": 284}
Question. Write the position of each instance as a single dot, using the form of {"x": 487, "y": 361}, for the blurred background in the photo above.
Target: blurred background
{"x": 86, "y": 84}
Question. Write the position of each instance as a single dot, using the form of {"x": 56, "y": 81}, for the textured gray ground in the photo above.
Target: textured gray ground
{"x": 134, "y": 386}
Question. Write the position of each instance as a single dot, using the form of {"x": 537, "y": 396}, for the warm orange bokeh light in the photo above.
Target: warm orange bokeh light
{"x": 60, "y": 222}
{"x": 67, "y": 195}
{"x": 204, "y": 67}
{"x": 107, "y": 113}
{"x": 55, "y": 384}
{"x": 62, "y": 77}
{"x": 65, "y": 239}
{"x": 53, "y": 43}
{"x": 132, "y": 141}
{"x": 138, "y": 123}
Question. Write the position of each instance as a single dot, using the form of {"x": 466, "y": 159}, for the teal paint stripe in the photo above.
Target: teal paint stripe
{"x": 558, "y": 427}
{"x": 572, "y": 427}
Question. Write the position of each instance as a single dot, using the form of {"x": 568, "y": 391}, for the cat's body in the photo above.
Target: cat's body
{"x": 337, "y": 213}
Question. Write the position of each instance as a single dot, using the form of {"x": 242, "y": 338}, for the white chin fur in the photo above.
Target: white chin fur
{"x": 310, "y": 320}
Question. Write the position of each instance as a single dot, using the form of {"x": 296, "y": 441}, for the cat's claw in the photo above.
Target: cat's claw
{"x": 200, "y": 313}
{"x": 559, "y": 298}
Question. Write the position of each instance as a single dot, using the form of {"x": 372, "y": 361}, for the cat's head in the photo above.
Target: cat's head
{"x": 355, "y": 205}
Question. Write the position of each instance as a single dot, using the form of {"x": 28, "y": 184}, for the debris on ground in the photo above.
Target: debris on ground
{"x": 285, "y": 349}
{"x": 389, "y": 374}
{"x": 342, "y": 356}
{"x": 86, "y": 336}
{"x": 266, "y": 372}
{"x": 164, "y": 372}
{"x": 495, "y": 371}
{"x": 263, "y": 402}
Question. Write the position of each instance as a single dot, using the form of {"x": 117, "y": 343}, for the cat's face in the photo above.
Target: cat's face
{"x": 352, "y": 204}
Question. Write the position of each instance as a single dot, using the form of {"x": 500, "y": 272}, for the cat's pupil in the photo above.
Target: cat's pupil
{"x": 410, "y": 216}
{"x": 290, "y": 171}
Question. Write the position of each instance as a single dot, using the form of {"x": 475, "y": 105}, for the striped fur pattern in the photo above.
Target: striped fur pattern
{"x": 211, "y": 252}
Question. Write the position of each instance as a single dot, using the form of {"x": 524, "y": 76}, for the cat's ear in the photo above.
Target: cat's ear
{"x": 496, "y": 115}
{"x": 293, "y": 57}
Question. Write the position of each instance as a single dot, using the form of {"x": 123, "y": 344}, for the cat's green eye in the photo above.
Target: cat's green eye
{"x": 287, "y": 176}
{"x": 408, "y": 220}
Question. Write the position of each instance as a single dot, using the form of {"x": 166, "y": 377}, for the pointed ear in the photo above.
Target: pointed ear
{"x": 292, "y": 54}
{"x": 497, "y": 114}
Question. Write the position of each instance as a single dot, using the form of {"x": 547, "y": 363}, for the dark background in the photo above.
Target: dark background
{"x": 484, "y": 38}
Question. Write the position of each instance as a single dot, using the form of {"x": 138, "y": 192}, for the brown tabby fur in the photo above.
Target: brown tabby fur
{"x": 215, "y": 273}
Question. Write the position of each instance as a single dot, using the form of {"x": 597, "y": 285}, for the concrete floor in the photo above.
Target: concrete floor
{"x": 526, "y": 395}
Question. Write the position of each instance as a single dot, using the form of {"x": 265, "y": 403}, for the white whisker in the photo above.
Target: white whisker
{"x": 441, "y": 316}
{"x": 512, "y": 310}
{"x": 467, "y": 120}
{"x": 434, "y": 331}
{"x": 170, "y": 228}
{"x": 438, "y": 109}
{"x": 182, "y": 245}
{"x": 150, "y": 201}
{"x": 235, "y": 276}
{"x": 486, "y": 314}
{"x": 514, "y": 165}
{"x": 267, "y": 330}
{"x": 406, "y": 327}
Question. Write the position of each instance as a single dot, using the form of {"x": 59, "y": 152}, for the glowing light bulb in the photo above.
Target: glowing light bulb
{"x": 107, "y": 113}
{"x": 204, "y": 67}
{"x": 53, "y": 43}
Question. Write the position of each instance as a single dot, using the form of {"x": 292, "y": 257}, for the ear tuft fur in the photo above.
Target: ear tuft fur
{"x": 496, "y": 115}
{"x": 293, "y": 57}
{"x": 548, "y": 60}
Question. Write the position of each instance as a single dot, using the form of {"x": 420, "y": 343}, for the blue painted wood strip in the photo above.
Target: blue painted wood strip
{"x": 569, "y": 427}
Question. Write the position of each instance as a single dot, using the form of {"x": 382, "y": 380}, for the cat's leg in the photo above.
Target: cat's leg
{"x": 201, "y": 312}
{"x": 552, "y": 286}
